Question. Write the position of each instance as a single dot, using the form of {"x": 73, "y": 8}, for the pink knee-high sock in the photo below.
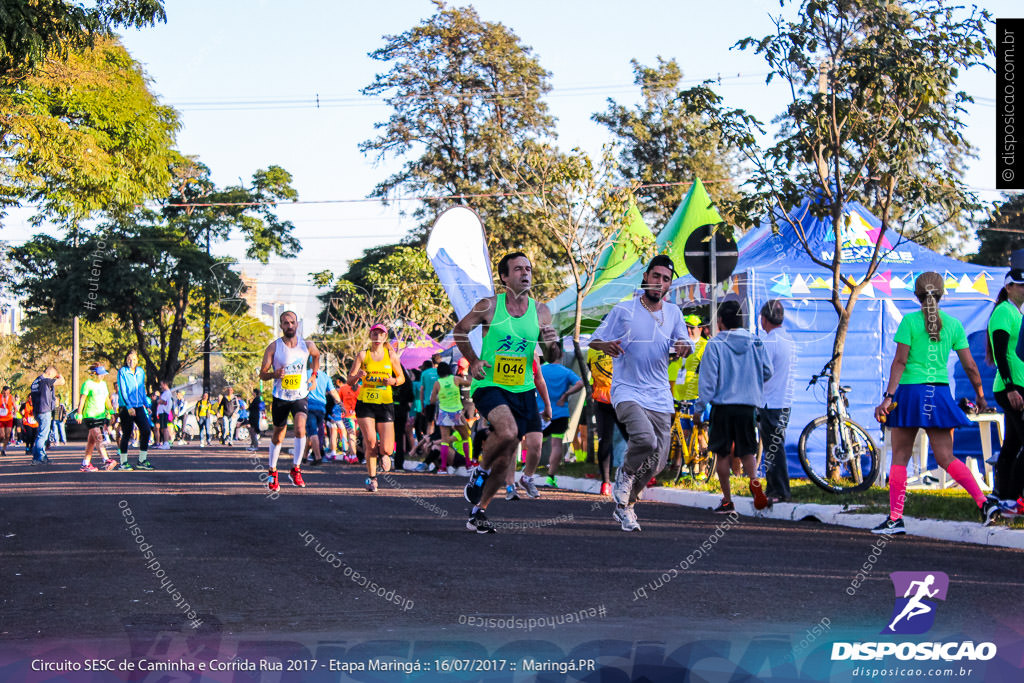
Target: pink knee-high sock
{"x": 958, "y": 470}
{"x": 897, "y": 490}
{"x": 444, "y": 456}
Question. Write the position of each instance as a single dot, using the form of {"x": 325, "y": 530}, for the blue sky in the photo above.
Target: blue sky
{"x": 245, "y": 77}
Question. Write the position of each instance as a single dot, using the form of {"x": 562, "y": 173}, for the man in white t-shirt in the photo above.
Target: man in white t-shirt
{"x": 639, "y": 335}
{"x": 163, "y": 415}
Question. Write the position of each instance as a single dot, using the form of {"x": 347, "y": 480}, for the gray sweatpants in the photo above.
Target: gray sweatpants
{"x": 647, "y": 450}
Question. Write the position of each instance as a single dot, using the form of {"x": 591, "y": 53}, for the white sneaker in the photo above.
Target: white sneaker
{"x": 164, "y": 447}
{"x": 627, "y": 517}
{"x": 622, "y": 487}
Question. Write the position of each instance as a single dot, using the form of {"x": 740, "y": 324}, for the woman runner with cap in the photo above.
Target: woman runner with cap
{"x": 918, "y": 397}
{"x": 379, "y": 370}
{"x": 93, "y": 408}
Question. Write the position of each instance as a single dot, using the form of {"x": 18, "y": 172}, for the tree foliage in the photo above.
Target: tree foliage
{"x": 1001, "y": 233}
{"x": 665, "y": 144}
{"x": 465, "y": 94}
{"x": 83, "y": 134}
{"x": 874, "y": 113}
{"x": 34, "y": 30}
{"x": 150, "y": 267}
{"x": 390, "y": 284}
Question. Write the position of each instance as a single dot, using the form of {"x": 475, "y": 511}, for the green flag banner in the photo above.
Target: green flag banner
{"x": 694, "y": 211}
{"x": 622, "y": 253}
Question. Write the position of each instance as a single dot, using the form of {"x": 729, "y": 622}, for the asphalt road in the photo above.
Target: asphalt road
{"x": 331, "y": 571}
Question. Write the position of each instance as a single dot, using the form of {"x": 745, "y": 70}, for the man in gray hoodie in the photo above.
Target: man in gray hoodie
{"x": 733, "y": 371}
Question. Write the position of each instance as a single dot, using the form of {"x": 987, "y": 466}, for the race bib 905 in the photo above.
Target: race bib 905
{"x": 509, "y": 370}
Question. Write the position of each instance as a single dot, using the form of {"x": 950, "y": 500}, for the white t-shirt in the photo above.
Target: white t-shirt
{"x": 640, "y": 374}
{"x": 165, "y": 407}
{"x": 778, "y": 390}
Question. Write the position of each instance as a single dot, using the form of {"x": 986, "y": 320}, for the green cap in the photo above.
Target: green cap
{"x": 692, "y": 321}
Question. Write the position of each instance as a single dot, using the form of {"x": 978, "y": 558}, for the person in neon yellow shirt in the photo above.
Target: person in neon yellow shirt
{"x": 686, "y": 369}
{"x": 93, "y": 409}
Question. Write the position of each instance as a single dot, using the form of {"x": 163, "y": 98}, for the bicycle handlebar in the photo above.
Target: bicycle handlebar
{"x": 825, "y": 370}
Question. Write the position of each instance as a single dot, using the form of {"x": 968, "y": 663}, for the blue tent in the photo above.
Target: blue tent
{"x": 776, "y": 266}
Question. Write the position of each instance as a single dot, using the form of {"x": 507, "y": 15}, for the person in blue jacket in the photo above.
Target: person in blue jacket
{"x": 133, "y": 412}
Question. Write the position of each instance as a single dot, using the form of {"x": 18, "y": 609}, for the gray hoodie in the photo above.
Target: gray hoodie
{"x": 734, "y": 369}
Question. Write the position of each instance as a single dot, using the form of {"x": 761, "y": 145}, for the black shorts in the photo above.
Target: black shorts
{"x": 378, "y": 412}
{"x": 733, "y": 425}
{"x": 280, "y": 410}
{"x": 429, "y": 411}
{"x": 91, "y": 423}
{"x": 162, "y": 420}
{"x": 523, "y": 406}
{"x": 558, "y": 426}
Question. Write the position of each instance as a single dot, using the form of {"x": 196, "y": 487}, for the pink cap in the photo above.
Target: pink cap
{"x": 379, "y": 326}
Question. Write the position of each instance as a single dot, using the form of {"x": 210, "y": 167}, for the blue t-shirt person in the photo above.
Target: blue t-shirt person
{"x": 559, "y": 379}
{"x": 316, "y": 400}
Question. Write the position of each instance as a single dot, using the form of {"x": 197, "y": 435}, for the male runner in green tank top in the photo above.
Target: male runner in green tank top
{"x": 503, "y": 386}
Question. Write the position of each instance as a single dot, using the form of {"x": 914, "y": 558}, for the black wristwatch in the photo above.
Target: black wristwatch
{"x": 888, "y": 395}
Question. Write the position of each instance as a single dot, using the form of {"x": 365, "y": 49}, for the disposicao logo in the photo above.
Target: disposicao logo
{"x": 914, "y": 611}
{"x": 914, "y": 614}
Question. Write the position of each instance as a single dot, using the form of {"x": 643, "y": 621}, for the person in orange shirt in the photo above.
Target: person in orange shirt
{"x": 29, "y": 425}
{"x": 7, "y": 410}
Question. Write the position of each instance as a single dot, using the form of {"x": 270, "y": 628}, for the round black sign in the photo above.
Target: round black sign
{"x": 697, "y": 255}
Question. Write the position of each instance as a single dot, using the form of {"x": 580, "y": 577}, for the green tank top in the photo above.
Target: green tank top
{"x": 509, "y": 346}
{"x": 449, "y": 399}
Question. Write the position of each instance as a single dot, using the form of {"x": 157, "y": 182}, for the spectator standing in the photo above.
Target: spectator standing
{"x": 163, "y": 415}
{"x": 256, "y": 407}
{"x": 7, "y": 412}
{"x": 732, "y": 376}
{"x": 58, "y": 435}
{"x": 773, "y": 418}
{"x": 228, "y": 410}
{"x": 600, "y": 364}
{"x": 43, "y": 402}
{"x": 428, "y": 376}
{"x": 204, "y": 416}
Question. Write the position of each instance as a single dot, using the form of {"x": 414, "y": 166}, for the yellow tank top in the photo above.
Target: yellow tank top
{"x": 375, "y": 388}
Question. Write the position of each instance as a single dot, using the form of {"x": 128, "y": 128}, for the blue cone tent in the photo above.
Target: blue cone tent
{"x": 776, "y": 266}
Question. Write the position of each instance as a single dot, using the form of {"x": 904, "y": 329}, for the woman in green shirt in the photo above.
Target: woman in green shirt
{"x": 1008, "y": 386}
{"x": 93, "y": 409}
{"x": 918, "y": 397}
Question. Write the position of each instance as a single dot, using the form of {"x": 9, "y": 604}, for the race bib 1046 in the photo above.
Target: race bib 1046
{"x": 291, "y": 382}
{"x": 509, "y": 370}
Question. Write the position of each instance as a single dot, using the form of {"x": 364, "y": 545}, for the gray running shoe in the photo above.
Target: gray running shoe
{"x": 510, "y": 493}
{"x": 622, "y": 487}
{"x": 529, "y": 487}
{"x": 627, "y": 517}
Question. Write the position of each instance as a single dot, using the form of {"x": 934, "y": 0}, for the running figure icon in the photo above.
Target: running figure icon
{"x": 915, "y": 607}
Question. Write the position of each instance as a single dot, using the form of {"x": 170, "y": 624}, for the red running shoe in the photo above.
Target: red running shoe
{"x": 272, "y": 481}
{"x": 760, "y": 500}
{"x": 296, "y": 476}
{"x": 606, "y": 489}
{"x": 652, "y": 482}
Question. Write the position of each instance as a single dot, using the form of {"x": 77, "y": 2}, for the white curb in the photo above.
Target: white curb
{"x": 961, "y": 532}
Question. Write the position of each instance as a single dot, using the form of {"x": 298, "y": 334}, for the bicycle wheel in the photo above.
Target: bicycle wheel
{"x": 853, "y": 463}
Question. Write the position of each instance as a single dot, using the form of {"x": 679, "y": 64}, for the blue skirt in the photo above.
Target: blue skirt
{"x": 928, "y": 406}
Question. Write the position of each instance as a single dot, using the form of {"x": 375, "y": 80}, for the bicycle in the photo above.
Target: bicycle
{"x": 691, "y": 451}
{"x": 838, "y": 455}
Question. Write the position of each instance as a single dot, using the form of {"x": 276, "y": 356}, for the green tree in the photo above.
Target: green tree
{"x": 464, "y": 94}
{"x": 390, "y": 284}
{"x": 1001, "y": 233}
{"x": 33, "y": 30}
{"x": 874, "y": 111}
{"x": 83, "y": 134}
{"x": 662, "y": 141}
{"x": 148, "y": 267}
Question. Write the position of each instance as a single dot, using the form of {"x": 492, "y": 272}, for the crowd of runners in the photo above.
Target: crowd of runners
{"x": 492, "y": 410}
